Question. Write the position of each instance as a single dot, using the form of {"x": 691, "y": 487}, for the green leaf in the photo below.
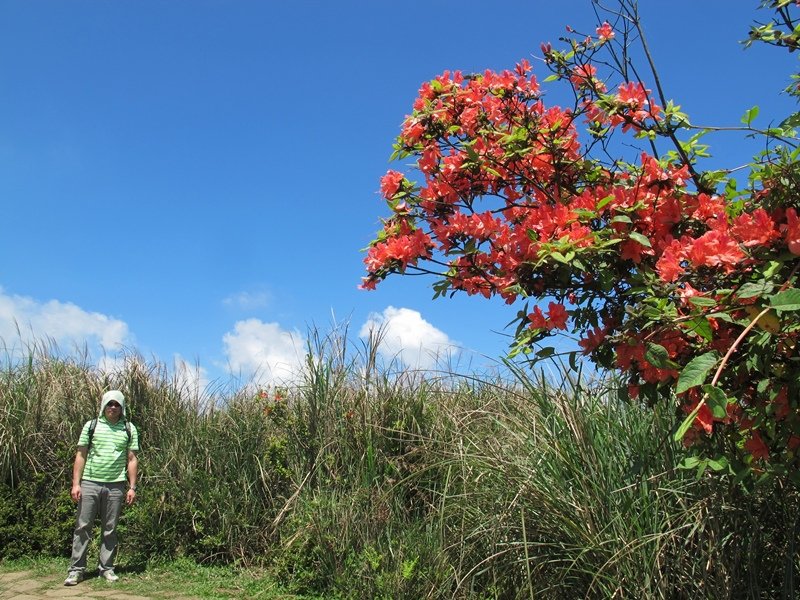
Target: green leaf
{"x": 652, "y": 313}
{"x": 638, "y": 237}
{"x": 687, "y": 422}
{"x": 716, "y": 400}
{"x": 720, "y": 316}
{"x": 701, "y": 327}
{"x": 773, "y": 267}
{"x": 786, "y": 301}
{"x": 690, "y": 462}
{"x": 718, "y": 464}
{"x": 656, "y": 355}
{"x": 602, "y": 203}
{"x": 751, "y": 290}
{"x": 701, "y": 468}
{"x": 750, "y": 115}
{"x": 573, "y": 360}
{"x": 702, "y": 301}
{"x": 695, "y": 372}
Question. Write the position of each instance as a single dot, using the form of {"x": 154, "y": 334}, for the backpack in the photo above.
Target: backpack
{"x": 93, "y": 426}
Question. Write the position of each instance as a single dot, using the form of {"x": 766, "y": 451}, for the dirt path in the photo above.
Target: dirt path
{"x": 26, "y": 585}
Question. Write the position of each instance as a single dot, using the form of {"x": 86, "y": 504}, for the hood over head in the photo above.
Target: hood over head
{"x": 115, "y": 396}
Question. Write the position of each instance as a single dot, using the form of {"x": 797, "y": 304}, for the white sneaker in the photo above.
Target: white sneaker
{"x": 73, "y": 578}
{"x": 109, "y": 575}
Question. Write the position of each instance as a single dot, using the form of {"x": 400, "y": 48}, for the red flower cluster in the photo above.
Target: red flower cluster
{"x": 557, "y": 316}
{"x": 644, "y": 267}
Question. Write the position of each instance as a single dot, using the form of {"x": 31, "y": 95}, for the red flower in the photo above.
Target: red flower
{"x": 537, "y": 319}
{"x": 756, "y": 229}
{"x": 368, "y": 283}
{"x": 592, "y": 340}
{"x": 390, "y": 183}
{"x": 781, "y": 402}
{"x": 756, "y": 446}
{"x": 557, "y": 316}
{"x": 636, "y": 105}
{"x": 605, "y": 32}
{"x": 412, "y": 131}
{"x": 708, "y": 207}
{"x": 633, "y": 250}
{"x": 669, "y": 264}
{"x": 583, "y": 75}
{"x": 632, "y": 94}
{"x": 715, "y": 248}
{"x": 705, "y": 418}
{"x": 402, "y": 248}
{"x": 792, "y": 231}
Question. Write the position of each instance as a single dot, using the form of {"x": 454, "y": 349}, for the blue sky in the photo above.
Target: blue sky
{"x": 195, "y": 180}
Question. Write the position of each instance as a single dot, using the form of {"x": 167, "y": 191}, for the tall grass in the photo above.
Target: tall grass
{"x": 365, "y": 480}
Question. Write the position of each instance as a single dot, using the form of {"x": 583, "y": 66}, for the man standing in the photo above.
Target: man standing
{"x": 105, "y": 461}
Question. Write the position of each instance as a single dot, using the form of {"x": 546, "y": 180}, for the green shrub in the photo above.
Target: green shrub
{"x": 33, "y": 520}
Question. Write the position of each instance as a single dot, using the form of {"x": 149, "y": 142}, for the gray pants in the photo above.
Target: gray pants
{"x": 97, "y": 499}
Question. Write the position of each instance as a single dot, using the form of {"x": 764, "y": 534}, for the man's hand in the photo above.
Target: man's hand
{"x": 76, "y": 492}
{"x": 130, "y": 497}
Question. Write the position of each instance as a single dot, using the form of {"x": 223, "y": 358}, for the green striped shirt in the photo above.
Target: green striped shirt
{"x": 107, "y": 461}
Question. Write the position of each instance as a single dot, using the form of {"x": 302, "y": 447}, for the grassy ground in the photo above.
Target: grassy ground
{"x": 169, "y": 580}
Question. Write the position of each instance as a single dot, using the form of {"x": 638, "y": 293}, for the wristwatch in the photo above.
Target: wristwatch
{"x": 133, "y": 487}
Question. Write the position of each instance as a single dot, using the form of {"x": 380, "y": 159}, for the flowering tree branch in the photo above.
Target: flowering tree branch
{"x": 656, "y": 266}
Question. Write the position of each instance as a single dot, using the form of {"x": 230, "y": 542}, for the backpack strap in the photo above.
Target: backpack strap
{"x": 92, "y": 427}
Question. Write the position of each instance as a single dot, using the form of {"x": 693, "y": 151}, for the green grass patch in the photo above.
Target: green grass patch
{"x": 180, "y": 578}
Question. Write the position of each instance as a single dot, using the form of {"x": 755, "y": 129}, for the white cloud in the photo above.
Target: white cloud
{"x": 264, "y": 351}
{"x": 248, "y": 300}
{"x": 409, "y": 337}
{"x": 24, "y": 319}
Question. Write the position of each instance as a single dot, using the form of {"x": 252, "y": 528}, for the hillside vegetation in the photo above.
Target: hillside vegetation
{"x": 364, "y": 481}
